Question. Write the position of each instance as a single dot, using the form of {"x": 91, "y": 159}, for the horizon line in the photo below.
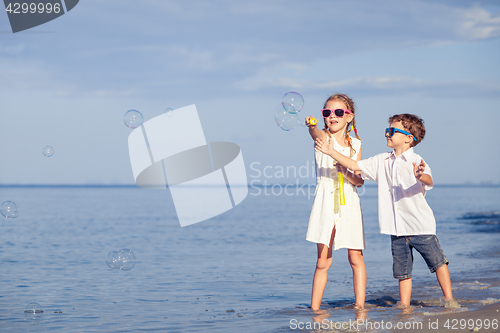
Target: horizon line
{"x": 96, "y": 185}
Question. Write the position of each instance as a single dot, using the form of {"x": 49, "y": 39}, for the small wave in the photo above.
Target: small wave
{"x": 384, "y": 301}
{"x": 489, "y": 301}
{"x": 340, "y": 303}
{"x": 480, "y": 215}
{"x": 480, "y": 286}
{"x": 483, "y": 221}
{"x": 445, "y": 311}
{"x": 476, "y": 285}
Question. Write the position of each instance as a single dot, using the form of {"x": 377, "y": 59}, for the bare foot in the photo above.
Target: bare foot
{"x": 355, "y": 307}
{"x": 400, "y": 305}
{"x": 405, "y": 309}
{"x": 449, "y": 303}
{"x": 358, "y": 306}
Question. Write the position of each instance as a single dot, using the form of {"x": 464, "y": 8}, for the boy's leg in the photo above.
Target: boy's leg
{"x": 443, "y": 277}
{"x": 428, "y": 246}
{"x": 402, "y": 266}
{"x": 405, "y": 286}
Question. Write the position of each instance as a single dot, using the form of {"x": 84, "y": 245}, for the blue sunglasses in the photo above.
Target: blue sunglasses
{"x": 392, "y": 130}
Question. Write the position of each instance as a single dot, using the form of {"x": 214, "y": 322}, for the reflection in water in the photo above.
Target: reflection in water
{"x": 320, "y": 315}
{"x": 361, "y": 314}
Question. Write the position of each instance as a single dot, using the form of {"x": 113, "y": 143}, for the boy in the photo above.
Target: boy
{"x": 403, "y": 178}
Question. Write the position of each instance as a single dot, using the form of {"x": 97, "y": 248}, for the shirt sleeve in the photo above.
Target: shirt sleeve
{"x": 369, "y": 168}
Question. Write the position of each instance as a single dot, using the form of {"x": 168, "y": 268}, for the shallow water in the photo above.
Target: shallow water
{"x": 249, "y": 269}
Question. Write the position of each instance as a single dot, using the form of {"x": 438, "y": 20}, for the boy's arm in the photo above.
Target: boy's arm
{"x": 353, "y": 177}
{"x": 327, "y": 148}
{"x": 418, "y": 170}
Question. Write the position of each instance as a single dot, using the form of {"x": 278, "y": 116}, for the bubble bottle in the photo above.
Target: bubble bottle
{"x": 338, "y": 188}
{"x": 341, "y": 189}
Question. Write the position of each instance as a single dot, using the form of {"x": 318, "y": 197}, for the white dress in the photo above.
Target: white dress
{"x": 348, "y": 222}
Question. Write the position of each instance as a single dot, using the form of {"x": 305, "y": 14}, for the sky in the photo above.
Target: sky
{"x": 68, "y": 83}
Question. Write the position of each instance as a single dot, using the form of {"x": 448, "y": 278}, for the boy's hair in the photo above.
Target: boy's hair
{"x": 413, "y": 124}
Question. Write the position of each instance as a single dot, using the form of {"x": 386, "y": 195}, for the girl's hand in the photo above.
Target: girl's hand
{"x": 324, "y": 147}
{"x": 311, "y": 121}
{"x": 418, "y": 170}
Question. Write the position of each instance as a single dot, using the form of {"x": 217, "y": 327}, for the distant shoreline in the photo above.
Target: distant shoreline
{"x": 254, "y": 185}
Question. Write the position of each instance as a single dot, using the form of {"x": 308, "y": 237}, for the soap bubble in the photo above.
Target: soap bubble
{"x": 112, "y": 260}
{"x": 169, "y": 112}
{"x": 9, "y": 209}
{"x": 33, "y": 307}
{"x": 48, "y": 151}
{"x": 285, "y": 120}
{"x": 33, "y": 310}
{"x": 126, "y": 258}
{"x": 123, "y": 259}
{"x": 302, "y": 121}
{"x": 133, "y": 119}
{"x": 292, "y": 102}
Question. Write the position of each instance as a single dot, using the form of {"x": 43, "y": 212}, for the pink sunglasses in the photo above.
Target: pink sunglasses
{"x": 339, "y": 113}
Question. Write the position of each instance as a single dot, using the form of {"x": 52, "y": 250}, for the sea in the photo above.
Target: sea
{"x": 249, "y": 269}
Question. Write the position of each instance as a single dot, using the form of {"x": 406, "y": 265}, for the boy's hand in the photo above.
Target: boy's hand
{"x": 341, "y": 169}
{"x": 418, "y": 170}
{"x": 324, "y": 147}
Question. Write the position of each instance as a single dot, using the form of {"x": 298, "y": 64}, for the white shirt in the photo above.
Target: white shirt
{"x": 402, "y": 208}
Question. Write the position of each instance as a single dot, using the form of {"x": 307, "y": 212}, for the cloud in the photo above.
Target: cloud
{"x": 480, "y": 24}
{"x": 220, "y": 47}
{"x": 380, "y": 85}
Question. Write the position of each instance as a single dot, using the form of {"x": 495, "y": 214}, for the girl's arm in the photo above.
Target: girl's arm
{"x": 354, "y": 178}
{"x": 327, "y": 148}
{"x": 315, "y": 132}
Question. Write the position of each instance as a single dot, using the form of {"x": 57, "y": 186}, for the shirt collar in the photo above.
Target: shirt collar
{"x": 406, "y": 155}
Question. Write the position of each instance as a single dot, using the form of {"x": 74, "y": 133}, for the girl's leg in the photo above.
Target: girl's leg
{"x": 321, "y": 273}
{"x": 358, "y": 276}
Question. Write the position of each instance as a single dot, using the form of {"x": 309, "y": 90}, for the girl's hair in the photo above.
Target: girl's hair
{"x": 349, "y": 103}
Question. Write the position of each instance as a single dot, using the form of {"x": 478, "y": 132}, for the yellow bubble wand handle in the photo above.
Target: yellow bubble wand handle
{"x": 341, "y": 189}
{"x": 311, "y": 122}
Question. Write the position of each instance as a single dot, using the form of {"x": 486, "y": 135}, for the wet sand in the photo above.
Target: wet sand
{"x": 488, "y": 315}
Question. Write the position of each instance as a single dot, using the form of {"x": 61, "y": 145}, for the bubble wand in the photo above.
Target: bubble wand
{"x": 312, "y": 121}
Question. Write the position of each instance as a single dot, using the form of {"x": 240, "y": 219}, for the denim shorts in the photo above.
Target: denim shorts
{"x": 402, "y": 254}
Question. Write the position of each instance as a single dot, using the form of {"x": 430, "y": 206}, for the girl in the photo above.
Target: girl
{"x": 330, "y": 223}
